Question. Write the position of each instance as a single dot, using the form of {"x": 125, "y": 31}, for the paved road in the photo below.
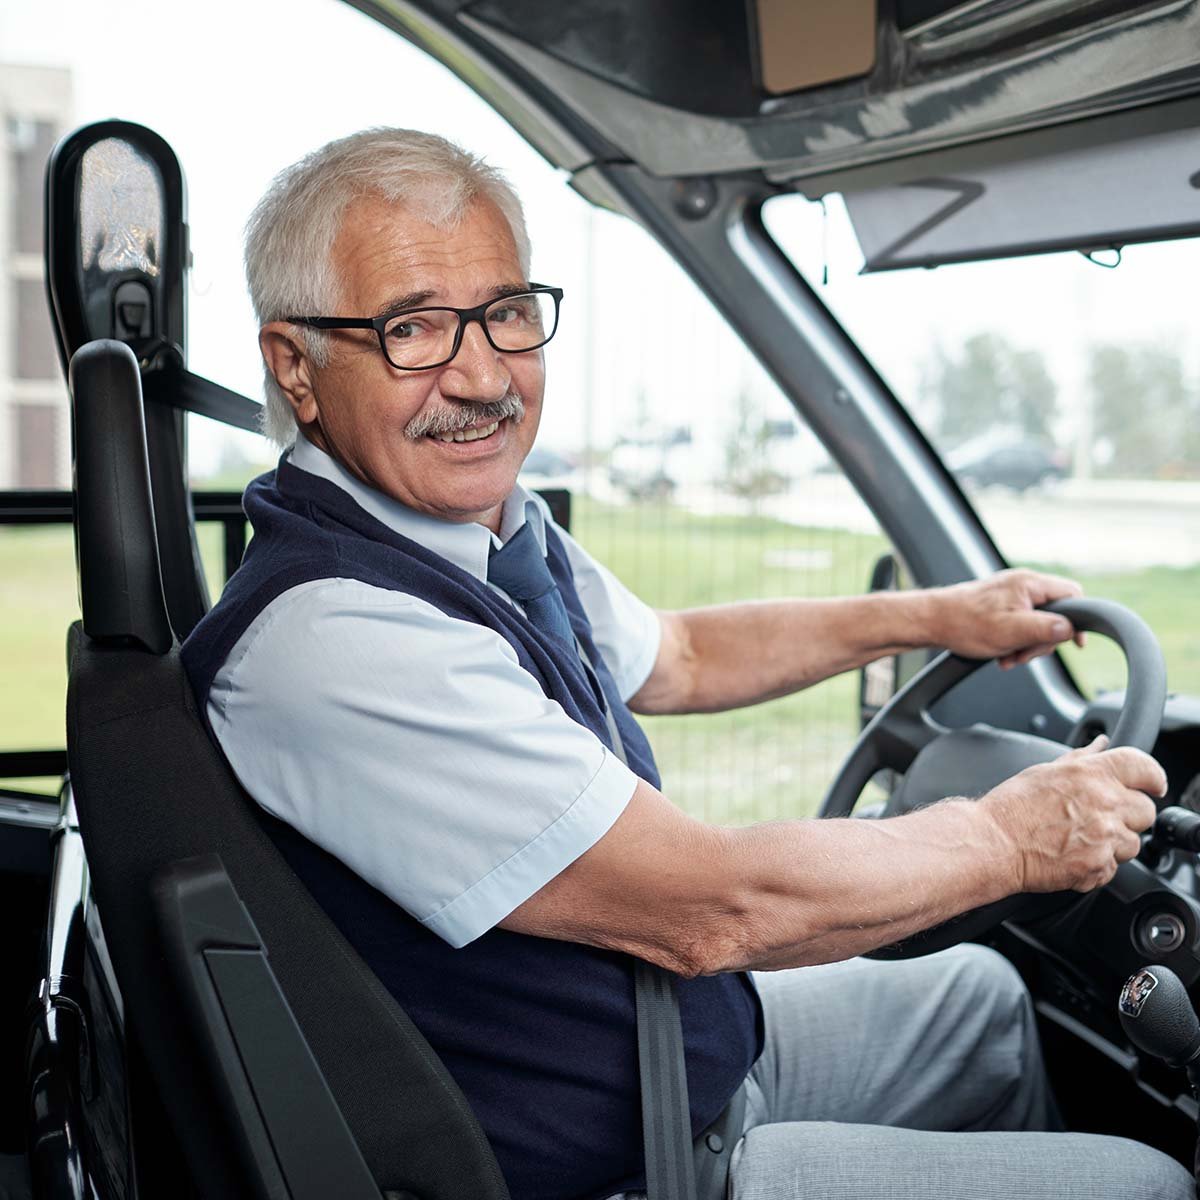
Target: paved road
{"x": 1099, "y": 527}
{"x": 1094, "y": 526}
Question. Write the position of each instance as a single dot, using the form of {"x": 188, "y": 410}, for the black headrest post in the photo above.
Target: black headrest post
{"x": 116, "y": 548}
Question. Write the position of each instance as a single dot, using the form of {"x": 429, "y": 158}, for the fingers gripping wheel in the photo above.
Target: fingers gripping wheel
{"x": 937, "y": 761}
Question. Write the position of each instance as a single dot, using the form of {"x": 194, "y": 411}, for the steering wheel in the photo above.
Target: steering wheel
{"x": 937, "y": 761}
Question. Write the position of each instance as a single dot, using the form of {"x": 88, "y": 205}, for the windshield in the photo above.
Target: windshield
{"x": 1065, "y": 398}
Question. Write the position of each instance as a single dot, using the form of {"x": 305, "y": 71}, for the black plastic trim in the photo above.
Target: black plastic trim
{"x": 290, "y": 1133}
{"x": 115, "y": 540}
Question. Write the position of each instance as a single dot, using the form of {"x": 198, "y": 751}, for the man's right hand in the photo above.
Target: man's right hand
{"x": 1071, "y": 822}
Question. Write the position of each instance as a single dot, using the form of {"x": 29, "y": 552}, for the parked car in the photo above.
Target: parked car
{"x": 1018, "y": 465}
{"x": 544, "y": 464}
{"x": 650, "y": 465}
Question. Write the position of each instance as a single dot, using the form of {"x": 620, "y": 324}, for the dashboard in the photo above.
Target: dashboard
{"x": 1076, "y": 960}
{"x": 1150, "y": 911}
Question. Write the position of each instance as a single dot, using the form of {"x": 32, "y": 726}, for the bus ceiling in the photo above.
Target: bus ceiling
{"x": 950, "y": 128}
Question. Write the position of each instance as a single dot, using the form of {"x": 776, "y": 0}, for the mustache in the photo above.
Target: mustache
{"x": 457, "y": 417}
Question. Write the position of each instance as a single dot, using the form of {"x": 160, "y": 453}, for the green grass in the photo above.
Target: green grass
{"x": 37, "y": 603}
{"x": 766, "y": 762}
{"x": 773, "y": 760}
{"x": 1168, "y": 600}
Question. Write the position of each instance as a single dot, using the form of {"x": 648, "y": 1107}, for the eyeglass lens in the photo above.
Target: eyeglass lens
{"x": 426, "y": 337}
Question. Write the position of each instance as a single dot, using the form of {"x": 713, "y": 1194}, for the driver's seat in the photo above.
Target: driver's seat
{"x": 260, "y": 1028}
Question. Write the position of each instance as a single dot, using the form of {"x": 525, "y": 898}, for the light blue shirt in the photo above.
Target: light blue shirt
{"x": 413, "y": 745}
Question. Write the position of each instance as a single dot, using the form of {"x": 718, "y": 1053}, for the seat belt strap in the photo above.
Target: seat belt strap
{"x": 666, "y": 1114}
{"x": 170, "y": 383}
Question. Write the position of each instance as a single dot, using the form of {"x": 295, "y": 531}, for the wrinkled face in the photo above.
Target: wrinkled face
{"x": 367, "y": 414}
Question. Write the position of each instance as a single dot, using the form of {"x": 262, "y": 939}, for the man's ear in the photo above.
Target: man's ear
{"x": 284, "y": 352}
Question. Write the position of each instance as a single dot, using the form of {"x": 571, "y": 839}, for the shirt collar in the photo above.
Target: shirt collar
{"x": 466, "y": 545}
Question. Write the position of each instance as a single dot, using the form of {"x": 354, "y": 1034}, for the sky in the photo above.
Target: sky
{"x": 247, "y": 88}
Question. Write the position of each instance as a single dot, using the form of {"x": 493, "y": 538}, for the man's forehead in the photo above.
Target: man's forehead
{"x": 386, "y": 252}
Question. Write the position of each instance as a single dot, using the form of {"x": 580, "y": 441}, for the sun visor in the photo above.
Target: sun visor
{"x": 1087, "y": 198}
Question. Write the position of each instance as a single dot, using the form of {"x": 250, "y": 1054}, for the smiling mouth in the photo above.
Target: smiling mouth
{"x": 467, "y": 435}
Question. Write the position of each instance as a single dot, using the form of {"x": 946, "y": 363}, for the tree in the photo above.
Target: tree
{"x": 990, "y": 383}
{"x": 749, "y": 472}
{"x": 1144, "y": 413}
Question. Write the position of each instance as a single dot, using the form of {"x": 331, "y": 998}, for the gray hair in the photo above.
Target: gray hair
{"x": 290, "y": 234}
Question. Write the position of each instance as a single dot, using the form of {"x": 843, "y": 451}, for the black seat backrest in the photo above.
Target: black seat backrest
{"x": 152, "y": 790}
{"x": 116, "y": 264}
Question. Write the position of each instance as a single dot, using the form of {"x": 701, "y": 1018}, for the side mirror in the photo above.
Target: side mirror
{"x": 116, "y": 239}
{"x": 880, "y": 680}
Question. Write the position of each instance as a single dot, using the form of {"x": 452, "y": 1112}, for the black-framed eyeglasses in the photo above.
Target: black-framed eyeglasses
{"x": 417, "y": 339}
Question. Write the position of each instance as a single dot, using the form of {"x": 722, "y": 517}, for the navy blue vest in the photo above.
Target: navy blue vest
{"x": 540, "y": 1035}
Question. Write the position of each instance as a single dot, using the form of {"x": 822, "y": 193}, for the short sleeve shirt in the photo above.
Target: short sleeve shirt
{"x": 376, "y": 725}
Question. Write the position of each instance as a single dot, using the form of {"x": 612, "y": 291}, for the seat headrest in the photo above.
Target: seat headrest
{"x": 116, "y": 550}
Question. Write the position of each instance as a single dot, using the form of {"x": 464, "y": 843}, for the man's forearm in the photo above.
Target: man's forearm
{"x": 822, "y": 891}
{"x": 731, "y": 655}
{"x": 700, "y": 899}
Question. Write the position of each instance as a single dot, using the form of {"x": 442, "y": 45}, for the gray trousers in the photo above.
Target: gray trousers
{"x": 919, "y": 1080}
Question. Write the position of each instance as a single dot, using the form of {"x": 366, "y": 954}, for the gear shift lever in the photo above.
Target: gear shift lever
{"x": 1158, "y": 1017}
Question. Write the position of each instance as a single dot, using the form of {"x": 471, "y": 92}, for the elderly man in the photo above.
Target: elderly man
{"x": 428, "y": 686}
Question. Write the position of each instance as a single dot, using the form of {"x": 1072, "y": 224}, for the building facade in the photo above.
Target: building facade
{"x": 35, "y": 452}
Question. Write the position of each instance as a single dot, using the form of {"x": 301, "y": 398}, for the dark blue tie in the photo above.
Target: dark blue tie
{"x": 519, "y": 568}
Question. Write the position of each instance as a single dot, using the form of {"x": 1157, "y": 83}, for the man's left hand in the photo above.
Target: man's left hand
{"x": 999, "y": 618}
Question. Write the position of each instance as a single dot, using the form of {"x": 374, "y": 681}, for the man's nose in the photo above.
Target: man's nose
{"x": 477, "y": 371}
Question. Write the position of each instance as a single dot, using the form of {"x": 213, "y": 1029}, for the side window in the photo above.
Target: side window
{"x": 691, "y": 476}
{"x": 696, "y": 483}
{"x": 37, "y": 571}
